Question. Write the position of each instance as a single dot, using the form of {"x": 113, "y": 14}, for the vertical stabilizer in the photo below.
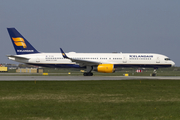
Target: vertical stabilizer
{"x": 21, "y": 45}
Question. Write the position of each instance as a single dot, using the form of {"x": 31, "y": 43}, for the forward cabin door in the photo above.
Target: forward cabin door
{"x": 124, "y": 59}
{"x": 37, "y": 60}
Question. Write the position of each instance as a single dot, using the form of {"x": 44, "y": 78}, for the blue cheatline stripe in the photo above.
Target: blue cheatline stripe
{"x": 116, "y": 65}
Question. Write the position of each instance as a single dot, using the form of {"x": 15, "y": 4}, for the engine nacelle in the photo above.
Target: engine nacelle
{"x": 105, "y": 68}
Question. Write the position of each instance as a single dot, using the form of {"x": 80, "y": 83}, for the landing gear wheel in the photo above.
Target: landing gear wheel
{"x": 85, "y": 74}
{"x": 153, "y": 74}
{"x": 88, "y": 74}
{"x": 91, "y": 74}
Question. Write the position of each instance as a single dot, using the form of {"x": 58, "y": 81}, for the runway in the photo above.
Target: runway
{"x": 83, "y": 78}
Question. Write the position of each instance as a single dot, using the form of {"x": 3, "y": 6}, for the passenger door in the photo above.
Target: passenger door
{"x": 157, "y": 60}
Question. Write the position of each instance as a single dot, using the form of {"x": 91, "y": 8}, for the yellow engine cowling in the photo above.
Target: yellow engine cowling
{"x": 105, "y": 68}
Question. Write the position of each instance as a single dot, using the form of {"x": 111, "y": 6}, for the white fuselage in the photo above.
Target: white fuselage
{"x": 118, "y": 59}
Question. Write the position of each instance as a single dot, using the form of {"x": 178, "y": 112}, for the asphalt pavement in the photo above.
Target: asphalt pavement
{"x": 83, "y": 78}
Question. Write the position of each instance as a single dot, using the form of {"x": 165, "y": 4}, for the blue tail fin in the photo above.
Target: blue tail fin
{"x": 21, "y": 45}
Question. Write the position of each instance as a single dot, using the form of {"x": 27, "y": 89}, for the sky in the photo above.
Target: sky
{"x": 93, "y": 26}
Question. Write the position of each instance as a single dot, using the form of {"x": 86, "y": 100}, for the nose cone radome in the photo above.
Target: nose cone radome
{"x": 173, "y": 64}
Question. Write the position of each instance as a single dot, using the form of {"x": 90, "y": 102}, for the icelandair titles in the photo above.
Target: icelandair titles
{"x": 25, "y": 50}
{"x": 140, "y": 56}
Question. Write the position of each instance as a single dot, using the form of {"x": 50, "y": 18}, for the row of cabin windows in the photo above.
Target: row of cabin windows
{"x": 54, "y": 58}
{"x": 89, "y": 58}
{"x": 107, "y": 58}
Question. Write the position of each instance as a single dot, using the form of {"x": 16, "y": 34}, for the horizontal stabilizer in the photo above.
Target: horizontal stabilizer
{"x": 18, "y": 57}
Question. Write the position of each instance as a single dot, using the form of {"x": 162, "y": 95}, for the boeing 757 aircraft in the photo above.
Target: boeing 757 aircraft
{"x": 100, "y": 62}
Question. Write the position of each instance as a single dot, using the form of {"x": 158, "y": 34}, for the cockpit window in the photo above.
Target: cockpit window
{"x": 167, "y": 59}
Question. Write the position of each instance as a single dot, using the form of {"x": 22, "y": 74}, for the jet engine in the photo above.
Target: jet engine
{"x": 105, "y": 68}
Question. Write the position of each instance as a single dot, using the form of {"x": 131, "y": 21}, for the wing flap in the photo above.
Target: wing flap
{"x": 85, "y": 62}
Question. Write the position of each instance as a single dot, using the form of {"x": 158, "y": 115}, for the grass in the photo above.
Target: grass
{"x": 97, "y": 100}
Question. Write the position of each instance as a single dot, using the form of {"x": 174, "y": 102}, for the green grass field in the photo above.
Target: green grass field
{"x": 90, "y": 100}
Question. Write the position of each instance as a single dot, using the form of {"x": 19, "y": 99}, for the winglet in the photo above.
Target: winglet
{"x": 63, "y": 53}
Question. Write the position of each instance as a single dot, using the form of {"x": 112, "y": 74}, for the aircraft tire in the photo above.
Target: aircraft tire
{"x": 88, "y": 74}
{"x": 153, "y": 74}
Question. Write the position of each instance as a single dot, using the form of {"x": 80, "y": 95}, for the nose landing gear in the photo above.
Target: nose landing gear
{"x": 154, "y": 72}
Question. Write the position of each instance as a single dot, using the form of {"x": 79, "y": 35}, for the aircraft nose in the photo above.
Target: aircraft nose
{"x": 173, "y": 64}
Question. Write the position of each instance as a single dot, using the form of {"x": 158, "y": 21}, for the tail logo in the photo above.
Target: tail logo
{"x": 19, "y": 42}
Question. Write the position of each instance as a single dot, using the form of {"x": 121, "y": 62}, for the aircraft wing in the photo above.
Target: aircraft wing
{"x": 79, "y": 61}
{"x": 85, "y": 62}
{"x": 18, "y": 57}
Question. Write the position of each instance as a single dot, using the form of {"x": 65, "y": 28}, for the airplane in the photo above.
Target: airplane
{"x": 100, "y": 62}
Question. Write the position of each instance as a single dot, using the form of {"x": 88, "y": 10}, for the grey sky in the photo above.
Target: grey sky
{"x": 147, "y": 26}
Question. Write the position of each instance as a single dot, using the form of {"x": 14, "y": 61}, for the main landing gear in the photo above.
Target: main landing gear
{"x": 88, "y": 74}
{"x": 88, "y": 71}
